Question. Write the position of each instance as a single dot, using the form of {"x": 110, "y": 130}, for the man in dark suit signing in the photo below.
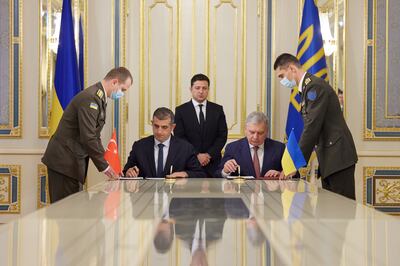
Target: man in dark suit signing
{"x": 324, "y": 126}
{"x": 77, "y": 137}
{"x": 203, "y": 124}
{"x": 162, "y": 154}
{"x": 256, "y": 154}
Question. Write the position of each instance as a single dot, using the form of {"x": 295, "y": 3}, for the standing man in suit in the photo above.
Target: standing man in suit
{"x": 256, "y": 154}
{"x": 324, "y": 126}
{"x": 77, "y": 137}
{"x": 156, "y": 155}
{"x": 203, "y": 124}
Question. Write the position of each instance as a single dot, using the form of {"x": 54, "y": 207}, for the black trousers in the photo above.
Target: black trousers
{"x": 341, "y": 182}
{"x": 61, "y": 186}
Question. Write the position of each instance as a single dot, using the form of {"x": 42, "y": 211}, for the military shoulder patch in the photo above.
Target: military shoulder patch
{"x": 312, "y": 95}
{"x": 94, "y": 106}
{"x": 308, "y": 80}
{"x": 100, "y": 93}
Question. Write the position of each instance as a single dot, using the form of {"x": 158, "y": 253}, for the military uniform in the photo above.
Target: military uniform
{"x": 76, "y": 140}
{"x": 325, "y": 128}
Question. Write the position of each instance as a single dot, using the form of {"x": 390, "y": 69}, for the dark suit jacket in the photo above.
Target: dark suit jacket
{"x": 211, "y": 139}
{"x": 180, "y": 155}
{"x": 78, "y": 135}
{"x": 324, "y": 126}
{"x": 187, "y": 211}
{"x": 240, "y": 151}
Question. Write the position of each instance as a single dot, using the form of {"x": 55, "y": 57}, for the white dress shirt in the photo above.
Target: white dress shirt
{"x": 197, "y": 108}
{"x": 199, "y": 236}
{"x": 301, "y": 82}
{"x": 165, "y": 151}
{"x": 260, "y": 154}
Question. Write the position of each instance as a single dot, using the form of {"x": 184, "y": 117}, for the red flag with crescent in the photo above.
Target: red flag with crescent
{"x": 111, "y": 154}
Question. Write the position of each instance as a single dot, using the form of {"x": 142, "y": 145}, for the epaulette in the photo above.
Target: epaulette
{"x": 100, "y": 93}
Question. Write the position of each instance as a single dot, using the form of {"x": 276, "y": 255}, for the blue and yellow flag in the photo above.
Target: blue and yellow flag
{"x": 310, "y": 52}
{"x": 66, "y": 79}
{"x": 292, "y": 158}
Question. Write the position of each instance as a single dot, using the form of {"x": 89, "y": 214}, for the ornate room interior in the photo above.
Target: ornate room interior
{"x": 163, "y": 43}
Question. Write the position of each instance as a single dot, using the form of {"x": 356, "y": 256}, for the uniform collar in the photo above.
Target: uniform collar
{"x": 105, "y": 93}
{"x": 301, "y": 82}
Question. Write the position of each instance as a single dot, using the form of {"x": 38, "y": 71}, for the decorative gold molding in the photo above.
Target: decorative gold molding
{"x": 15, "y": 131}
{"x": 235, "y": 44}
{"x": 390, "y": 190}
{"x": 12, "y": 173}
{"x": 42, "y": 172}
{"x": 370, "y": 133}
{"x": 384, "y": 187}
{"x": 123, "y": 102}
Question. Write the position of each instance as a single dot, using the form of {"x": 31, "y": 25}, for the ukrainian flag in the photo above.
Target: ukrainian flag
{"x": 292, "y": 158}
{"x": 310, "y": 52}
{"x": 67, "y": 76}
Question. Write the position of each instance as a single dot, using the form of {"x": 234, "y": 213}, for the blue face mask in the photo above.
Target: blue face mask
{"x": 288, "y": 83}
{"x": 115, "y": 95}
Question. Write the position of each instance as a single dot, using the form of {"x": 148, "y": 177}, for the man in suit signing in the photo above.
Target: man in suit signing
{"x": 324, "y": 126}
{"x": 256, "y": 154}
{"x": 162, "y": 154}
{"x": 203, "y": 124}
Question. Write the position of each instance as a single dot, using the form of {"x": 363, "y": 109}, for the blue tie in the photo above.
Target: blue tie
{"x": 160, "y": 162}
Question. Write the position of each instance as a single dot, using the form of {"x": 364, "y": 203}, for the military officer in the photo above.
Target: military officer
{"x": 77, "y": 137}
{"x": 324, "y": 126}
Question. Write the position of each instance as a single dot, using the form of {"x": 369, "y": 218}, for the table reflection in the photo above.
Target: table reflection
{"x": 202, "y": 222}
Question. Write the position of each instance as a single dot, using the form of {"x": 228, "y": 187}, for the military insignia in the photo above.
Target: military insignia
{"x": 94, "y": 106}
{"x": 312, "y": 95}
{"x": 308, "y": 80}
{"x": 100, "y": 93}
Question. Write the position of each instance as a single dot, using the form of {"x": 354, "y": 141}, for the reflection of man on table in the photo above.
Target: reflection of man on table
{"x": 199, "y": 222}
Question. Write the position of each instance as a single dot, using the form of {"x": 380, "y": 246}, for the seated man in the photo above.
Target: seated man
{"x": 162, "y": 154}
{"x": 256, "y": 155}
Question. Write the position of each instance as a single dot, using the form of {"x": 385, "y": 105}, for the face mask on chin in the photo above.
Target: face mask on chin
{"x": 288, "y": 83}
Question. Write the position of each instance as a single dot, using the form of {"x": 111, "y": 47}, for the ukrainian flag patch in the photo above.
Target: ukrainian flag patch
{"x": 94, "y": 106}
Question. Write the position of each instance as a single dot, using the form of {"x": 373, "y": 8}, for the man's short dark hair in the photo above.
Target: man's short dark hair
{"x": 163, "y": 240}
{"x": 119, "y": 73}
{"x": 285, "y": 59}
{"x": 163, "y": 113}
{"x": 199, "y": 77}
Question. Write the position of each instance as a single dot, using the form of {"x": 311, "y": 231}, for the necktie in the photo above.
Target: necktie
{"x": 201, "y": 116}
{"x": 256, "y": 162}
{"x": 160, "y": 162}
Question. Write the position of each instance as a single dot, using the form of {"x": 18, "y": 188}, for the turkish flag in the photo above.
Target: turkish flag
{"x": 111, "y": 154}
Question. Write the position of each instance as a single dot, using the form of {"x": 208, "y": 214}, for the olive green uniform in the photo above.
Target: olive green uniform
{"x": 326, "y": 129}
{"x": 77, "y": 139}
